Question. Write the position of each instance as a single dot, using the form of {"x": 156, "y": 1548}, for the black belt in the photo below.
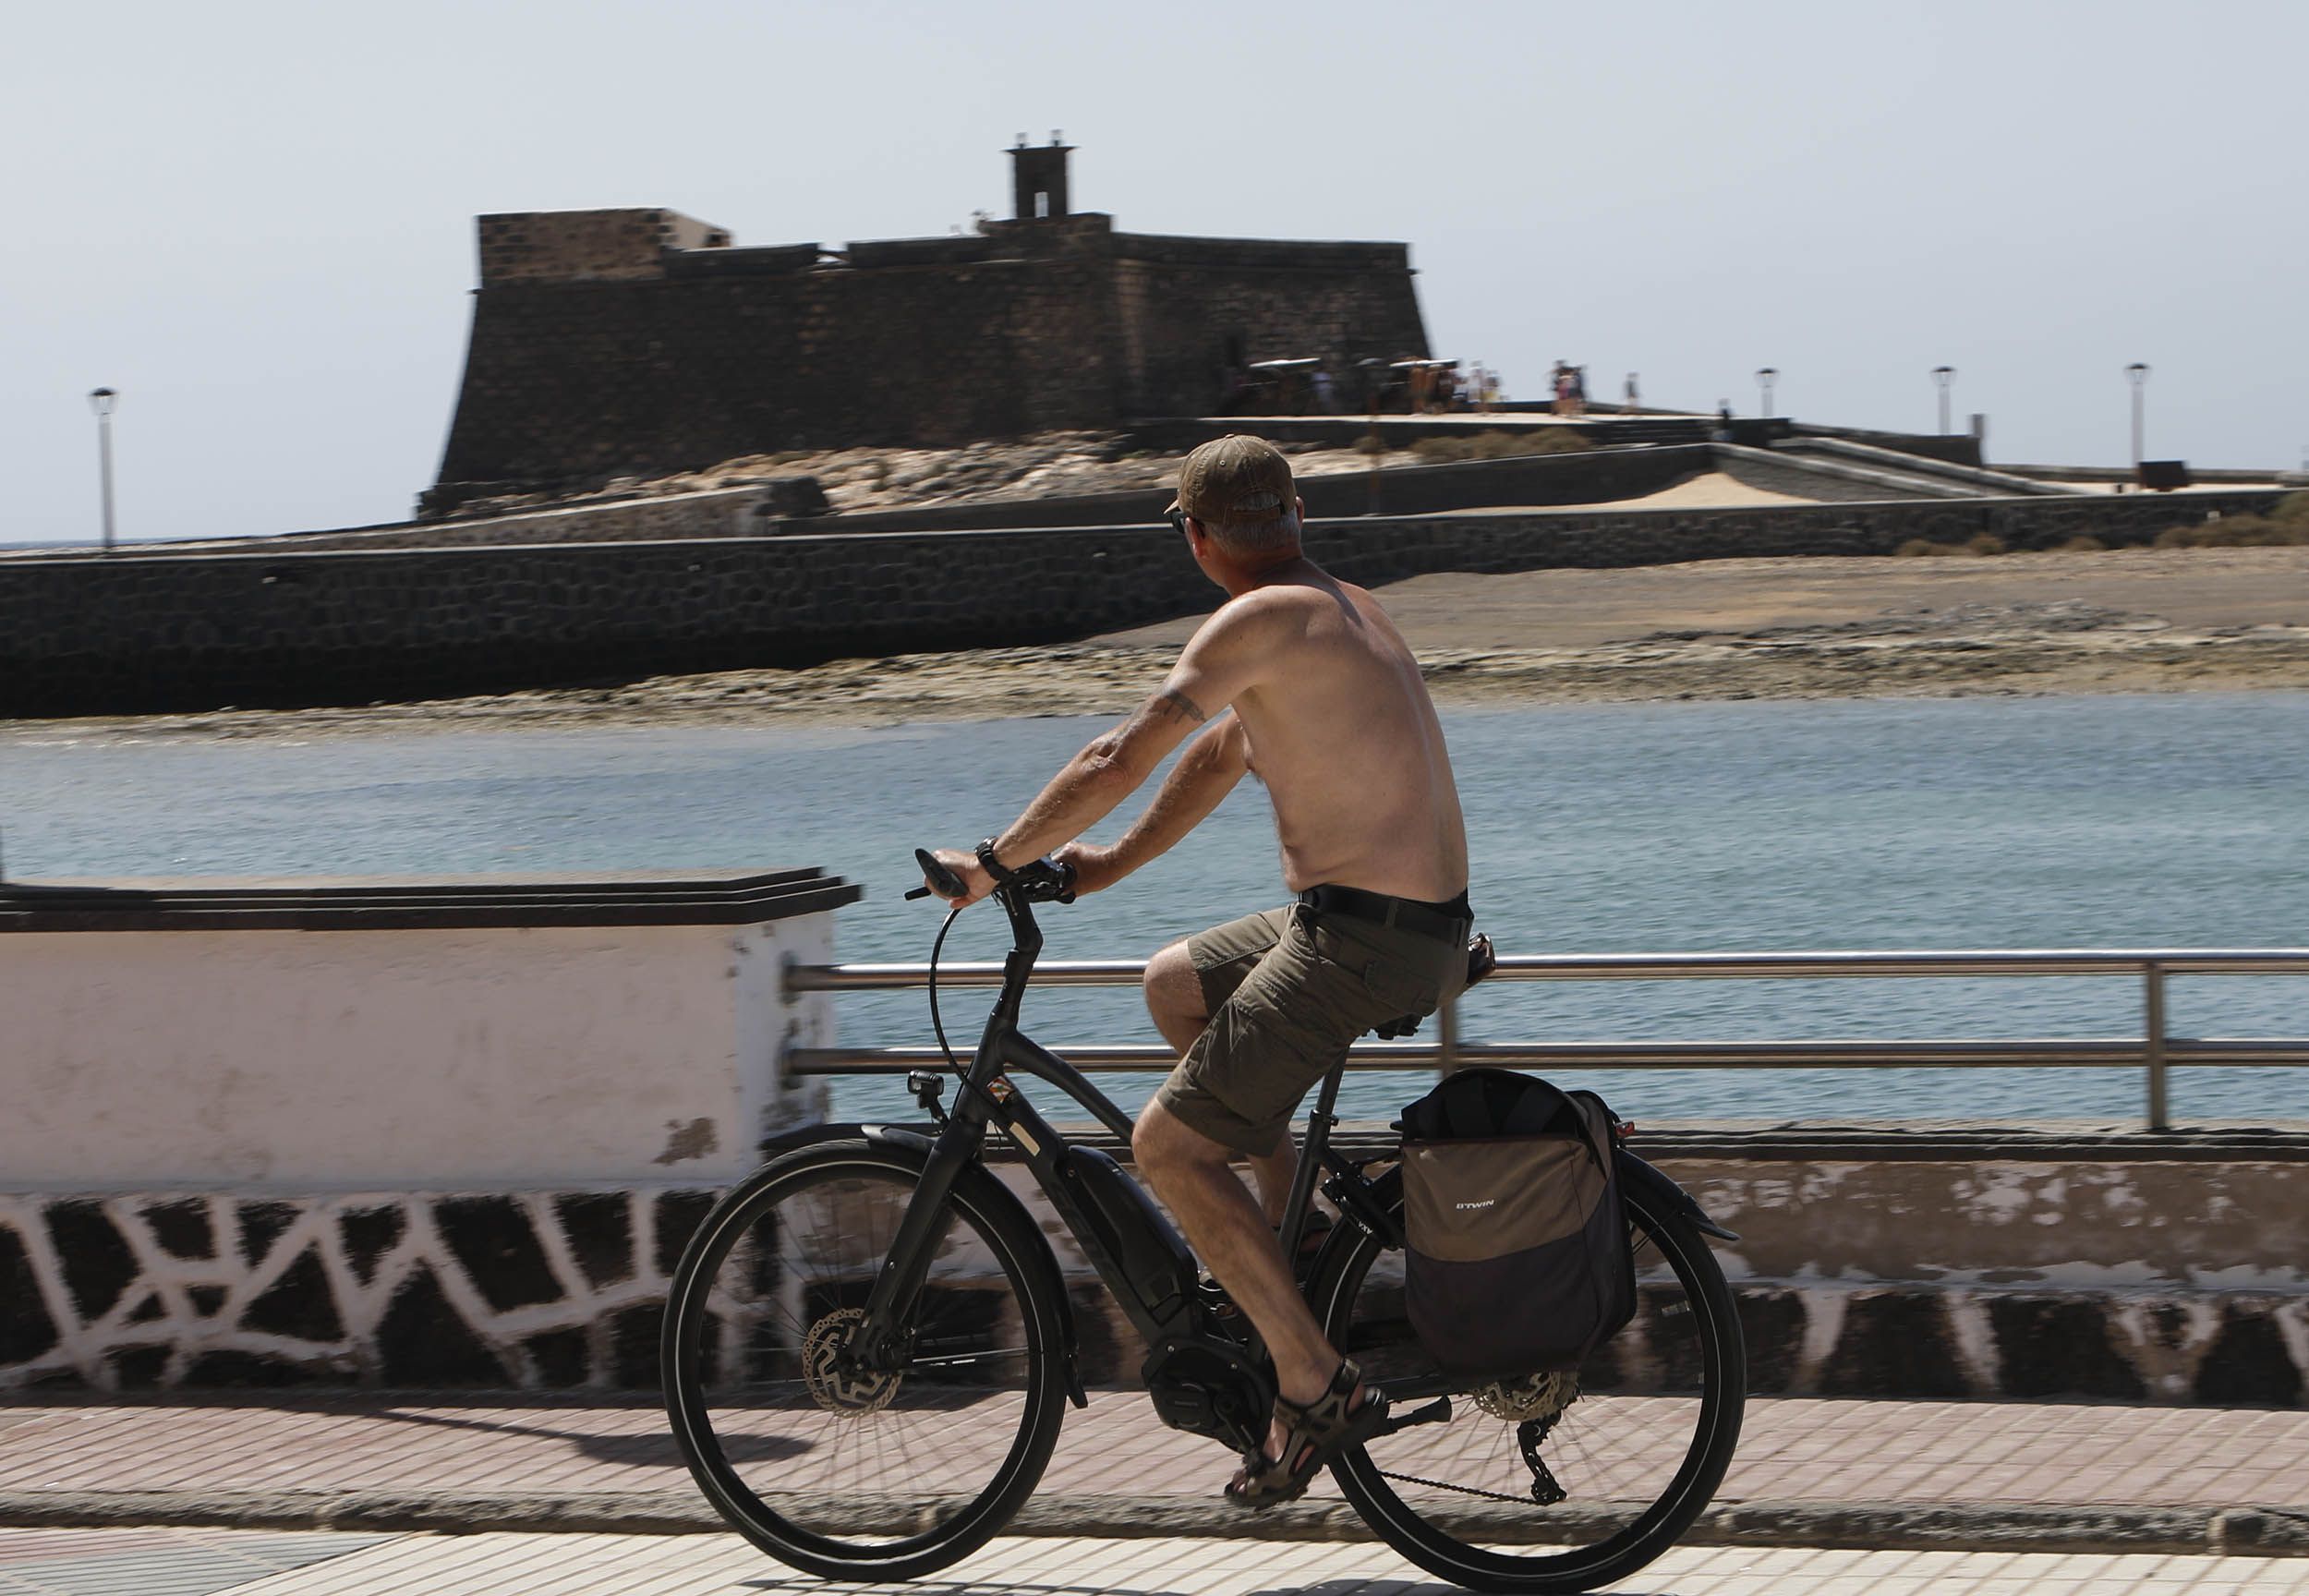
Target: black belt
{"x": 1449, "y": 922}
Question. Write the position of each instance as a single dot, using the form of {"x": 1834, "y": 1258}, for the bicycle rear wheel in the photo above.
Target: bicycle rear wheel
{"x": 838, "y": 1470}
{"x": 1555, "y": 1482}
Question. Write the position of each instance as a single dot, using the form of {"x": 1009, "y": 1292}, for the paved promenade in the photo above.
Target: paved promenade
{"x": 205, "y": 1562}
{"x": 279, "y": 1447}
{"x": 278, "y": 1494}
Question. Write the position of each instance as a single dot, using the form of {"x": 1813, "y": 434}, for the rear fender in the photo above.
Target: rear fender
{"x": 1635, "y": 1172}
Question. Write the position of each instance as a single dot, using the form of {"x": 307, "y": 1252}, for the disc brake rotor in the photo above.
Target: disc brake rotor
{"x": 835, "y": 1384}
{"x": 1534, "y": 1397}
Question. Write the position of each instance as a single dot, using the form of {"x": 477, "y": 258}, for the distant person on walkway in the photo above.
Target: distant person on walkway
{"x": 1559, "y": 384}
{"x": 1722, "y": 434}
{"x": 1631, "y": 399}
{"x": 1579, "y": 390}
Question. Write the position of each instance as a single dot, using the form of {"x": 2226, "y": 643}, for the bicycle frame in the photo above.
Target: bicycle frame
{"x": 1132, "y": 1256}
{"x": 1132, "y": 1252}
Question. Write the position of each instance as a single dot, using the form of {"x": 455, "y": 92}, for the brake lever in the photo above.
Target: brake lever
{"x": 937, "y": 878}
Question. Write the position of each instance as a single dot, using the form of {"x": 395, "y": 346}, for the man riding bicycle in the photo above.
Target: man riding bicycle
{"x": 1301, "y": 678}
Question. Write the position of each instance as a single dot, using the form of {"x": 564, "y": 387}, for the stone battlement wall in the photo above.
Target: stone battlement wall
{"x": 639, "y": 342}
{"x": 97, "y": 634}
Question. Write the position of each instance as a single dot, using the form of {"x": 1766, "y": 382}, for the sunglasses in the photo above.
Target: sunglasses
{"x": 1179, "y": 521}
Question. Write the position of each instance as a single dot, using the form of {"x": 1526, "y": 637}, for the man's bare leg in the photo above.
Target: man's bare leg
{"x": 1190, "y": 1173}
{"x": 1174, "y": 998}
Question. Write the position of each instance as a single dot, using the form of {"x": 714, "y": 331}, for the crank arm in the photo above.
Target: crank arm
{"x": 1435, "y": 1412}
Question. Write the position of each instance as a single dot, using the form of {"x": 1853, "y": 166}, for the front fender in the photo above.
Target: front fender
{"x": 916, "y": 1137}
{"x": 985, "y": 1187}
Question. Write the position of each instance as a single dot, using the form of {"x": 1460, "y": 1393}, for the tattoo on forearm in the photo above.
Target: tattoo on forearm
{"x": 1170, "y": 701}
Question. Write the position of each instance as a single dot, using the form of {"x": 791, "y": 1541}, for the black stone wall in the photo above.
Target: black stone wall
{"x": 575, "y": 381}
{"x": 703, "y": 355}
{"x": 96, "y": 635}
{"x": 492, "y": 1289}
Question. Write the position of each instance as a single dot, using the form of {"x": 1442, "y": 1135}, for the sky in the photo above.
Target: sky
{"x": 255, "y": 222}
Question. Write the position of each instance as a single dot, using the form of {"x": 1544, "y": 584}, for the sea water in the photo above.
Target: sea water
{"x": 2174, "y": 821}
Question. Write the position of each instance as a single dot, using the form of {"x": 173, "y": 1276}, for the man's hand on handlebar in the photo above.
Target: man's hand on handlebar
{"x": 966, "y": 869}
{"x": 963, "y": 878}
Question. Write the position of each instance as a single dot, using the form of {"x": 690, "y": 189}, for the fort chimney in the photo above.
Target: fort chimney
{"x": 1038, "y": 179}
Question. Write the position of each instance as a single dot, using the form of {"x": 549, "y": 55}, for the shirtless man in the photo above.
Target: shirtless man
{"x": 1301, "y": 679}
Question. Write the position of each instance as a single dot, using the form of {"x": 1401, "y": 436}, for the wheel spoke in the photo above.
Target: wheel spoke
{"x": 1635, "y": 1441}
{"x": 839, "y": 1465}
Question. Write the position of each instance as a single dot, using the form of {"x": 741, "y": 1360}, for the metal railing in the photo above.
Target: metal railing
{"x": 2155, "y": 1052}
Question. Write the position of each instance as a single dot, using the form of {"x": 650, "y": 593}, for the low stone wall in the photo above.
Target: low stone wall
{"x": 1587, "y": 476}
{"x": 2125, "y": 1270}
{"x": 382, "y": 1131}
{"x": 531, "y": 1289}
{"x": 119, "y": 634}
{"x": 723, "y": 513}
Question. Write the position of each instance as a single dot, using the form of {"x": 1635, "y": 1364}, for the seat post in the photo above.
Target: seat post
{"x": 1319, "y": 1123}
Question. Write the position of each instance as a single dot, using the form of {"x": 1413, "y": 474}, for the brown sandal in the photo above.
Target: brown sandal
{"x": 1314, "y": 1437}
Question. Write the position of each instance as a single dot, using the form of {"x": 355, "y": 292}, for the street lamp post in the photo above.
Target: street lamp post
{"x": 101, "y": 401}
{"x": 1944, "y": 376}
{"x": 1765, "y": 376}
{"x": 2138, "y": 373}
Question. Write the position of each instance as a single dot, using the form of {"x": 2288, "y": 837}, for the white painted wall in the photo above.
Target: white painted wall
{"x": 398, "y": 1061}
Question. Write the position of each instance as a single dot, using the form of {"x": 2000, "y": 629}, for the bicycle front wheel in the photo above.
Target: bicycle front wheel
{"x": 1556, "y": 1482}
{"x": 838, "y": 1470}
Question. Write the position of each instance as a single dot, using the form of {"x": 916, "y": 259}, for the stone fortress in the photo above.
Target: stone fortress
{"x": 617, "y": 500}
{"x": 607, "y": 343}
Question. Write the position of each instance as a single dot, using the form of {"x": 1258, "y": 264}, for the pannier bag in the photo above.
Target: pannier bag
{"x": 1516, "y": 1253}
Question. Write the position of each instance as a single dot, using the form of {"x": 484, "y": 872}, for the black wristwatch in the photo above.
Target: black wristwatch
{"x": 992, "y": 866}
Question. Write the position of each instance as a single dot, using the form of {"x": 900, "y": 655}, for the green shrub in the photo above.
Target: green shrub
{"x": 1498, "y": 445}
{"x": 2240, "y": 532}
{"x": 1925, "y": 549}
{"x": 2293, "y": 507}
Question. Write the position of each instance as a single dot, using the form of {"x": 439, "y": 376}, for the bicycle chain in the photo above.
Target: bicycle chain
{"x": 1462, "y": 1490}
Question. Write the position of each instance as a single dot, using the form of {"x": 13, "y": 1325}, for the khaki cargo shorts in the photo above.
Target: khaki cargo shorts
{"x": 1287, "y": 993}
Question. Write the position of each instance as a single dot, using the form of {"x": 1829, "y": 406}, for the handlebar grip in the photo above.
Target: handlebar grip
{"x": 917, "y": 892}
{"x": 941, "y": 880}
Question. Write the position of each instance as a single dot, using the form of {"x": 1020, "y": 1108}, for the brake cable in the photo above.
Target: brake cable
{"x": 937, "y": 1024}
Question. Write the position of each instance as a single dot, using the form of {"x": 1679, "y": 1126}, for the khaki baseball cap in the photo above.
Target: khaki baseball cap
{"x": 1237, "y": 480}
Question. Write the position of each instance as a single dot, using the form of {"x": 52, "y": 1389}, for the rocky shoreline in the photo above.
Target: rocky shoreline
{"x": 1969, "y": 650}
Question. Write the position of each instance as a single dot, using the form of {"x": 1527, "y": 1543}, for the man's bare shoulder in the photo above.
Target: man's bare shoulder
{"x": 1279, "y": 609}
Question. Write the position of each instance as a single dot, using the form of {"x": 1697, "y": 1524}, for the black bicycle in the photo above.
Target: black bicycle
{"x": 869, "y": 1343}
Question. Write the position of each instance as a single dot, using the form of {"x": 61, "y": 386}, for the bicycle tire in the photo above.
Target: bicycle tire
{"x": 1643, "y": 1465}
{"x": 842, "y": 1492}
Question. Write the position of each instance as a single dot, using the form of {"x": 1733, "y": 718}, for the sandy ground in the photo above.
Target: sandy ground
{"x": 2137, "y": 621}
{"x": 1707, "y": 490}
